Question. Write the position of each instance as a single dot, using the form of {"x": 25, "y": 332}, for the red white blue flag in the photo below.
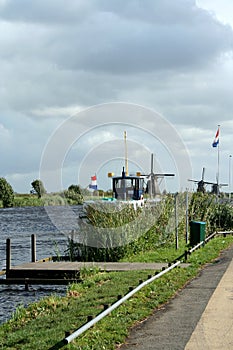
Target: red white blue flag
{"x": 93, "y": 184}
{"x": 216, "y": 139}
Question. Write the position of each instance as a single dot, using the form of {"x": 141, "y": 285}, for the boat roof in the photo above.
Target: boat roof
{"x": 129, "y": 177}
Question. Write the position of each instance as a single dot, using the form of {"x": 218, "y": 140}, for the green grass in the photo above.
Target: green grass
{"x": 42, "y": 325}
{"x": 166, "y": 253}
{"x": 32, "y": 200}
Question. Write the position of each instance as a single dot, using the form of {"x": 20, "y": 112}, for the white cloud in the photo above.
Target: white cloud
{"x": 56, "y": 112}
{"x": 221, "y": 9}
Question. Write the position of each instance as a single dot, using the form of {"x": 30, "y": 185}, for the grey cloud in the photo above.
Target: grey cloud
{"x": 50, "y": 12}
{"x": 110, "y": 43}
{"x": 55, "y": 12}
{"x": 22, "y": 142}
{"x": 165, "y": 54}
{"x": 146, "y": 49}
{"x": 118, "y": 37}
{"x": 86, "y": 61}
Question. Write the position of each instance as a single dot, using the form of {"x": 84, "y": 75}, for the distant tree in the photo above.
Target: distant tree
{"x": 75, "y": 188}
{"x": 6, "y": 193}
{"x": 38, "y": 187}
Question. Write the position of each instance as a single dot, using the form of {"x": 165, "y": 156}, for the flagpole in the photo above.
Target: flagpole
{"x": 230, "y": 156}
{"x": 218, "y": 174}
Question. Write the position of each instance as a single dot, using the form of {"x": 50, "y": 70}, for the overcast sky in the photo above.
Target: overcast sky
{"x": 60, "y": 58}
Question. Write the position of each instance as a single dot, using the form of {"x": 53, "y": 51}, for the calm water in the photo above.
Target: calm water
{"x": 51, "y": 226}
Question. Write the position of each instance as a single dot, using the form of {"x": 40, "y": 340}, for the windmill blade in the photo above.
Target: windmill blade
{"x": 157, "y": 175}
{"x": 203, "y": 174}
{"x": 209, "y": 183}
{"x": 152, "y": 164}
{"x": 196, "y": 181}
{"x": 163, "y": 175}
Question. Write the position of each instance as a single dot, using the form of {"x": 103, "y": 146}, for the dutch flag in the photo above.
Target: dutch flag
{"x": 216, "y": 139}
{"x": 93, "y": 184}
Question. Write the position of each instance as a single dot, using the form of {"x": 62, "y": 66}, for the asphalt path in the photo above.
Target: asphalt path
{"x": 171, "y": 327}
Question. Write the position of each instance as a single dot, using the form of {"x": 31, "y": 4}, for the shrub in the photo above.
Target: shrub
{"x": 222, "y": 217}
{"x": 73, "y": 197}
{"x": 6, "y": 193}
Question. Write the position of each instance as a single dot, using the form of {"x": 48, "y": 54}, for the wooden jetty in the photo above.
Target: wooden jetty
{"x": 51, "y": 272}
{"x": 65, "y": 272}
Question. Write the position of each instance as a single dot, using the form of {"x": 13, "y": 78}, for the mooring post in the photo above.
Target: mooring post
{"x": 33, "y": 247}
{"x": 8, "y": 255}
{"x": 26, "y": 285}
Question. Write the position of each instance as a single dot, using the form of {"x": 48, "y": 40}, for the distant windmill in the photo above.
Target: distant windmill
{"x": 201, "y": 184}
{"x": 216, "y": 187}
{"x": 152, "y": 183}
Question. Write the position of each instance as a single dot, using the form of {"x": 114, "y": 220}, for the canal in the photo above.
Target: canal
{"x": 51, "y": 225}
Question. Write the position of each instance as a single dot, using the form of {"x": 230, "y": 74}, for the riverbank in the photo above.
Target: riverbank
{"x": 42, "y": 325}
{"x": 52, "y": 199}
{"x": 49, "y": 199}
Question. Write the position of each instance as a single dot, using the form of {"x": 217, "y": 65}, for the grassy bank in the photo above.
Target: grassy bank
{"x": 43, "y": 324}
{"x": 32, "y": 200}
{"x": 148, "y": 235}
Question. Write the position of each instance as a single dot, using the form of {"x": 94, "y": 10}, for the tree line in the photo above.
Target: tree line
{"x": 73, "y": 194}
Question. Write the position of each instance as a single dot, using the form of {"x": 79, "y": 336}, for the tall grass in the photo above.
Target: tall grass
{"x": 113, "y": 231}
{"x": 216, "y": 214}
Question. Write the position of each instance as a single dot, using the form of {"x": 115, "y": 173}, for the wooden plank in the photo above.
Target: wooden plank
{"x": 32, "y": 281}
{"x": 48, "y": 273}
{"x": 76, "y": 266}
{"x": 67, "y": 272}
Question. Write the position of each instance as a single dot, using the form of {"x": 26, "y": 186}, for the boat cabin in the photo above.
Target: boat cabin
{"x": 128, "y": 187}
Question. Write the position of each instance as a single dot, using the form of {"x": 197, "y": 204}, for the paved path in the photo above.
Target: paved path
{"x": 215, "y": 328}
{"x": 199, "y": 317}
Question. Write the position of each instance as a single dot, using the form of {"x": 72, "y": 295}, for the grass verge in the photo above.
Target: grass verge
{"x": 43, "y": 325}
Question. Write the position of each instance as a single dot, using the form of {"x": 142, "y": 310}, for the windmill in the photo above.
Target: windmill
{"x": 153, "y": 183}
{"x": 201, "y": 184}
{"x": 216, "y": 187}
